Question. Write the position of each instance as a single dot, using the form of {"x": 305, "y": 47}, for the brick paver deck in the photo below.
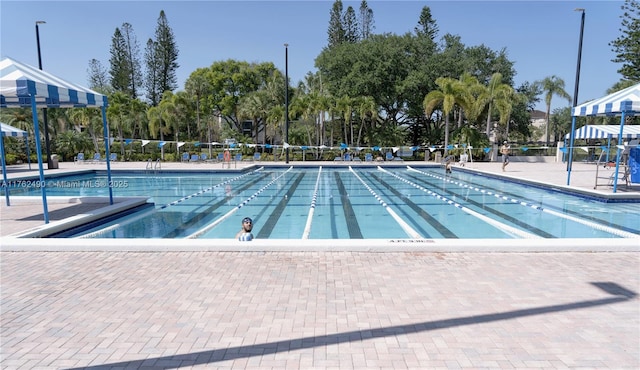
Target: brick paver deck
{"x": 313, "y": 310}
{"x": 319, "y": 310}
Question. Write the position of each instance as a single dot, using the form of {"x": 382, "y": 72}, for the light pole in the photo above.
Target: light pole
{"x": 286, "y": 101}
{"x": 575, "y": 97}
{"x": 44, "y": 110}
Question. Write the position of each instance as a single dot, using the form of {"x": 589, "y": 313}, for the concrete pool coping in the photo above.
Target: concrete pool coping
{"x": 93, "y": 209}
{"x": 25, "y": 236}
{"x": 322, "y": 245}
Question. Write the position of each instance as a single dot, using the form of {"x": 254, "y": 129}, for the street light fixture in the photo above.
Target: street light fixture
{"x": 44, "y": 110}
{"x": 575, "y": 96}
{"x": 286, "y": 101}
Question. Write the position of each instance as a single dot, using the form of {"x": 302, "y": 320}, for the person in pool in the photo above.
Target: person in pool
{"x": 245, "y": 235}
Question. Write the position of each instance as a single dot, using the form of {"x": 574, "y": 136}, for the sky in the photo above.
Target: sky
{"x": 540, "y": 37}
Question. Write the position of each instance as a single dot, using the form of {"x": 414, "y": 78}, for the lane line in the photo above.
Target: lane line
{"x": 594, "y": 225}
{"x": 235, "y": 209}
{"x": 175, "y": 202}
{"x": 506, "y": 228}
{"x": 405, "y": 226}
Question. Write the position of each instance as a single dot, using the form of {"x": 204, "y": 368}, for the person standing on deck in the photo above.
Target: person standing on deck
{"x": 505, "y": 149}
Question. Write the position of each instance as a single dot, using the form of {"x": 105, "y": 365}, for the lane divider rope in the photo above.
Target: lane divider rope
{"x": 405, "y": 226}
{"x": 314, "y": 199}
{"x": 506, "y": 228}
{"x": 594, "y": 225}
{"x": 235, "y": 209}
{"x": 133, "y": 219}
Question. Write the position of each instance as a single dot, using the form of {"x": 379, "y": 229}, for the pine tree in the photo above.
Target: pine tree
{"x": 627, "y": 46}
{"x": 366, "y": 20}
{"x": 350, "y": 24}
{"x": 336, "y": 30}
{"x": 427, "y": 26}
{"x": 167, "y": 55}
{"x": 119, "y": 67}
{"x": 125, "y": 61}
{"x": 152, "y": 80}
{"x": 133, "y": 58}
{"x": 98, "y": 79}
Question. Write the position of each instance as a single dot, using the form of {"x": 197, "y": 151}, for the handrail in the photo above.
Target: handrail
{"x": 157, "y": 165}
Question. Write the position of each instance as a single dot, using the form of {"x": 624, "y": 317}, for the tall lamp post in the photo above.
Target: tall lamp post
{"x": 286, "y": 101}
{"x": 44, "y": 110}
{"x": 575, "y": 98}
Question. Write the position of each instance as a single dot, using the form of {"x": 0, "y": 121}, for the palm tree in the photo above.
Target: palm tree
{"x": 91, "y": 121}
{"x": 302, "y": 106}
{"x": 505, "y": 100}
{"x": 70, "y": 142}
{"x": 473, "y": 99}
{"x": 450, "y": 93}
{"x": 255, "y": 106}
{"x": 196, "y": 85}
{"x": 117, "y": 112}
{"x": 495, "y": 90}
{"x": 367, "y": 108}
{"x": 552, "y": 86}
{"x": 184, "y": 108}
{"x": 137, "y": 119}
{"x": 344, "y": 106}
{"x": 19, "y": 118}
{"x": 160, "y": 118}
{"x": 320, "y": 102}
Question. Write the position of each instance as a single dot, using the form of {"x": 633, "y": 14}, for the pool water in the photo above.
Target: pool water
{"x": 345, "y": 203}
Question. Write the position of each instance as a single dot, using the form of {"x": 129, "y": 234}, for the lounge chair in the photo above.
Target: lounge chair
{"x": 464, "y": 158}
{"x": 256, "y": 156}
{"x": 79, "y": 158}
{"x": 97, "y": 157}
{"x": 388, "y": 156}
{"x": 204, "y": 157}
{"x": 113, "y": 157}
{"x": 338, "y": 159}
{"x": 238, "y": 157}
{"x": 194, "y": 158}
{"x": 185, "y": 157}
{"x": 220, "y": 157}
{"x": 368, "y": 157}
{"x": 347, "y": 157}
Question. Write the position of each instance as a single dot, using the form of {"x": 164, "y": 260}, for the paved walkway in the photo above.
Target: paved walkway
{"x": 322, "y": 310}
{"x": 336, "y": 310}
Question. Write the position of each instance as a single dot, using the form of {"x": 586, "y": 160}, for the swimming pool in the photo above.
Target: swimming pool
{"x": 340, "y": 203}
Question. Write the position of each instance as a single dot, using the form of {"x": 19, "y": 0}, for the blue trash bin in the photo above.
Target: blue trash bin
{"x": 634, "y": 164}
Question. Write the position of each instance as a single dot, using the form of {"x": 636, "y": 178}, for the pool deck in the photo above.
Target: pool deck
{"x": 317, "y": 309}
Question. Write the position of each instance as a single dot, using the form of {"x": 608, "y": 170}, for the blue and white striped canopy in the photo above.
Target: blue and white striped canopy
{"x": 8, "y": 130}
{"x": 627, "y": 101}
{"x": 18, "y": 82}
{"x": 606, "y": 132}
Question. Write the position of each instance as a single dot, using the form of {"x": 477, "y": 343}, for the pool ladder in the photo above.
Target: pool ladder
{"x": 155, "y": 166}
